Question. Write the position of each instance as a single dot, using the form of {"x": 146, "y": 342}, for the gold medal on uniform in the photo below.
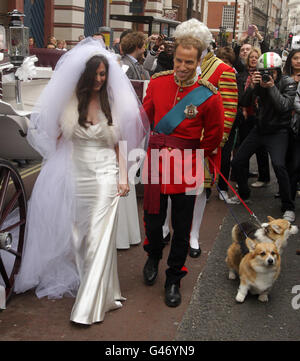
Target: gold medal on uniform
{"x": 191, "y": 111}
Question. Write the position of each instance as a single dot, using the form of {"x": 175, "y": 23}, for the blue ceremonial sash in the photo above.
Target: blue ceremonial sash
{"x": 176, "y": 115}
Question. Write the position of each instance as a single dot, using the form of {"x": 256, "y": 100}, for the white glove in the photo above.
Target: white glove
{"x": 27, "y": 70}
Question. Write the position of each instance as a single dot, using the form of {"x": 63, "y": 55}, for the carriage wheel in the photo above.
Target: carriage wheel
{"x": 12, "y": 224}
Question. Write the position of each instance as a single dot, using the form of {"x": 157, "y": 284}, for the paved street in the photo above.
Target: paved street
{"x": 214, "y": 315}
{"x": 208, "y": 310}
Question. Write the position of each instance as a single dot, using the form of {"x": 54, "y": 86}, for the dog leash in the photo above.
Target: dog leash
{"x": 216, "y": 170}
{"x": 243, "y": 246}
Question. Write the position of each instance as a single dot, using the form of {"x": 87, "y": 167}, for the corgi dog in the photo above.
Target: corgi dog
{"x": 275, "y": 231}
{"x": 259, "y": 269}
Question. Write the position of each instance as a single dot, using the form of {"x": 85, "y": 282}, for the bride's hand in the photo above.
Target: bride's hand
{"x": 123, "y": 189}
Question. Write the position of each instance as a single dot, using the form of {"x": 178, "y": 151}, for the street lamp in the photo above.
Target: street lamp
{"x": 18, "y": 38}
{"x": 18, "y": 46}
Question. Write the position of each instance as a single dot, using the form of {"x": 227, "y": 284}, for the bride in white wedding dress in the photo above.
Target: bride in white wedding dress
{"x": 97, "y": 191}
{"x": 70, "y": 245}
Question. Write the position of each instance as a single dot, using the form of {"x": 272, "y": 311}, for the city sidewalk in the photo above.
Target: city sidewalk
{"x": 214, "y": 315}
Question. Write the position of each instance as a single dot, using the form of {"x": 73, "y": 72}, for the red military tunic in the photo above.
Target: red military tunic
{"x": 163, "y": 93}
{"x": 222, "y": 76}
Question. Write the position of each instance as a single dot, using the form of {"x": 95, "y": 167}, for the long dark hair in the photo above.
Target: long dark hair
{"x": 288, "y": 70}
{"x": 85, "y": 87}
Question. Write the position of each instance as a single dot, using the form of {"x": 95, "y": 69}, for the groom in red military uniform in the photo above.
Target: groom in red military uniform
{"x": 187, "y": 114}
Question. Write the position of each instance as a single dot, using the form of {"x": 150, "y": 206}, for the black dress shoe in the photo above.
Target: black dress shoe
{"x": 150, "y": 271}
{"x": 195, "y": 252}
{"x": 172, "y": 296}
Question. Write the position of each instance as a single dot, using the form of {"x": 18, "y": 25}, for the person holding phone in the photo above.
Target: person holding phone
{"x": 151, "y": 59}
{"x": 242, "y": 51}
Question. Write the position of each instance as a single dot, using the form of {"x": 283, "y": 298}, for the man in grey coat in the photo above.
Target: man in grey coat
{"x": 133, "y": 48}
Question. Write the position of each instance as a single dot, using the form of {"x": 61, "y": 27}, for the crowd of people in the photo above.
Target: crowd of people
{"x": 231, "y": 103}
{"x": 52, "y": 43}
{"x": 247, "y": 111}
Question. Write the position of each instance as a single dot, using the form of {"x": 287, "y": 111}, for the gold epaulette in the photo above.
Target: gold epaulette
{"x": 166, "y": 72}
{"x": 208, "y": 85}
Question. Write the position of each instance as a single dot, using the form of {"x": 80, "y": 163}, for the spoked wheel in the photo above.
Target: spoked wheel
{"x": 13, "y": 206}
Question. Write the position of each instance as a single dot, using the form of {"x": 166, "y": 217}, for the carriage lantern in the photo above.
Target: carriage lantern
{"x": 18, "y": 38}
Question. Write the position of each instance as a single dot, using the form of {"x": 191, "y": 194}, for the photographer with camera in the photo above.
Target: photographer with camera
{"x": 274, "y": 95}
{"x": 246, "y": 119}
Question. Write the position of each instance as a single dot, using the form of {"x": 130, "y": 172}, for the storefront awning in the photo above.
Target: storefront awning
{"x": 141, "y": 19}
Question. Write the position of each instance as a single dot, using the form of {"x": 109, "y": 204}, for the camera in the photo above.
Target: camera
{"x": 265, "y": 75}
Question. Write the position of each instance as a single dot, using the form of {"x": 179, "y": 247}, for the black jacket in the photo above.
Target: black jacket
{"x": 239, "y": 65}
{"x": 241, "y": 79}
{"x": 164, "y": 62}
{"x": 275, "y": 104}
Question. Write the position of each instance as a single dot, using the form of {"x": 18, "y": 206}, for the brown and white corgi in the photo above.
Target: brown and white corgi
{"x": 275, "y": 231}
{"x": 259, "y": 269}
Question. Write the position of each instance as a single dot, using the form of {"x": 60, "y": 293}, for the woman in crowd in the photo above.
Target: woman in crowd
{"x": 61, "y": 45}
{"x": 52, "y": 40}
{"x": 70, "y": 246}
{"x": 31, "y": 42}
{"x": 292, "y": 69}
{"x": 246, "y": 118}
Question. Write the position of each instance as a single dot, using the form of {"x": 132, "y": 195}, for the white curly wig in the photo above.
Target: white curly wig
{"x": 196, "y": 29}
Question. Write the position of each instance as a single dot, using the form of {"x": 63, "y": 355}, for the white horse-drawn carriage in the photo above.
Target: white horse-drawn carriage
{"x": 17, "y": 102}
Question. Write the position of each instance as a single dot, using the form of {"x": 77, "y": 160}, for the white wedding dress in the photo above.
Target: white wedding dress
{"x": 70, "y": 246}
{"x": 96, "y": 175}
{"x": 70, "y": 237}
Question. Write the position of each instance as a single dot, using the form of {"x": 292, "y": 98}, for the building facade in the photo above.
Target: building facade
{"x": 293, "y": 22}
{"x": 65, "y": 19}
{"x": 228, "y": 20}
{"x": 68, "y": 19}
